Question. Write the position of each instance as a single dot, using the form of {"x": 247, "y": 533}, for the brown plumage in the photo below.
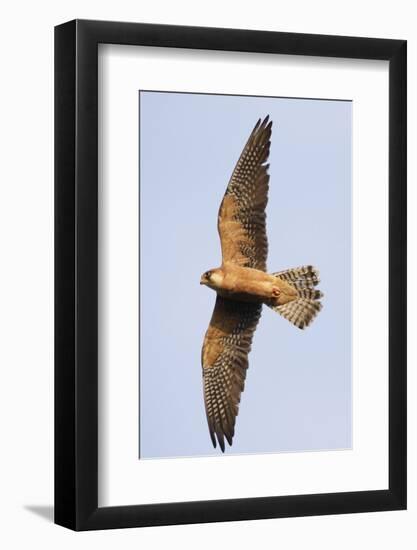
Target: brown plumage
{"x": 243, "y": 285}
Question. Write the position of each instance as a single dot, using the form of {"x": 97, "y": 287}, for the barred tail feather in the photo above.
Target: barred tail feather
{"x": 306, "y": 276}
{"x": 302, "y": 310}
{"x": 299, "y": 312}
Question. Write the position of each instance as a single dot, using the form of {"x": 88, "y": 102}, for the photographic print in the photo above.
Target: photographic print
{"x": 230, "y": 275}
{"x": 249, "y": 197}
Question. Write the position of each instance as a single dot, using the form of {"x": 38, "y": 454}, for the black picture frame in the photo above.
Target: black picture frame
{"x": 76, "y": 272}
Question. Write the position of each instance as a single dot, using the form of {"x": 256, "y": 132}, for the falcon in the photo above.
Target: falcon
{"x": 243, "y": 286}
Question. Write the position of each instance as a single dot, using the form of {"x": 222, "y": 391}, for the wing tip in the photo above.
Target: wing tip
{"x": 220, "y": 439}
{"x": 264, "y": 131}
{"x": 229, "y": 439}
{"x": 267, "y": 123}
{"x": 213, "y": 439}
{"x": 218, "y": 436}
{"x": 262, "y": 125}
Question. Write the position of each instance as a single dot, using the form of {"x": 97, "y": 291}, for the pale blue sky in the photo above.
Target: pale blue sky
{"x": 298, "y": 386}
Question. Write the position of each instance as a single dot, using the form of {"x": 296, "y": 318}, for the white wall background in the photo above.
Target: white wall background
{"x": 26, "y": 273}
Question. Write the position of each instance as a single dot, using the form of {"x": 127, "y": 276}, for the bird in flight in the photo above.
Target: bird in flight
{"x": 243, "y": 285}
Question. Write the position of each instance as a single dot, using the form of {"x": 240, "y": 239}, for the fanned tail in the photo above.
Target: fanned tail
{"x": 302, "y": 310}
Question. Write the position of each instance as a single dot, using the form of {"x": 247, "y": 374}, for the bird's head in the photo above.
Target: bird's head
{"x": 212, "y": 278}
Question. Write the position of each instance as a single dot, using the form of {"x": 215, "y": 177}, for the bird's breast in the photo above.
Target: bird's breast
{"x": 245, "y": 284}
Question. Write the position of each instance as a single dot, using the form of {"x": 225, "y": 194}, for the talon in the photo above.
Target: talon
{"x": 276, "y": 293}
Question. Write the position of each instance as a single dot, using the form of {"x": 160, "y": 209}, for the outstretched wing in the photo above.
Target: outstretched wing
{"x": 224, "y": 359}
{"x": 241, "y": 220}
